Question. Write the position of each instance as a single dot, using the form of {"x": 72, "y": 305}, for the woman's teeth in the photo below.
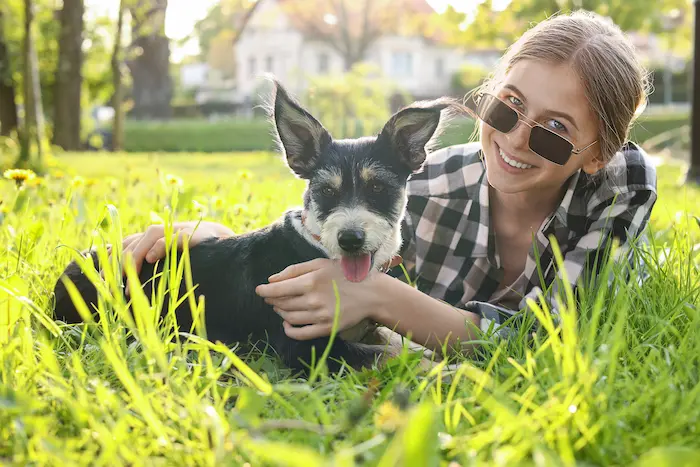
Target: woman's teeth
{"x": 513, "y": 163}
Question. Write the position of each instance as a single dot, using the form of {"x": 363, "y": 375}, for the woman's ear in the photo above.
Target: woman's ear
{"x": 593, "y": 161}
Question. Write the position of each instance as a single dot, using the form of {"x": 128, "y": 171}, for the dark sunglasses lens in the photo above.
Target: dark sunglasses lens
{"x": 497, "y": 114}
{"x": 550, "y": 146}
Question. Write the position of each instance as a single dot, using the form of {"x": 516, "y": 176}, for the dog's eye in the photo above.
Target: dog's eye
{"x": 327, "y": 191}
{"x": 376, "y": 187}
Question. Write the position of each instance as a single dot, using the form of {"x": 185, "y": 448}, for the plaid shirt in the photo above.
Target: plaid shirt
{"x": 449, "y": 244}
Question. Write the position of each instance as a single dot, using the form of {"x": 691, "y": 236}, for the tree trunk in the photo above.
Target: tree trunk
{"x": 117, "y": 98}
{"x": 8, "y": 105}
{"x": 69, "y": 77}
{"x": 693, "y": 175}
{"x": 150, "y": 68}
{"x": 33, "y": 128}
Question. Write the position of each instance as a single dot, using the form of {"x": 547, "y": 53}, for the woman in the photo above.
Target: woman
{"x": 552, "y": 161}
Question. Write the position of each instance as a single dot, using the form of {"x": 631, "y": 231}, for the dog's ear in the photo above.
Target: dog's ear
{"x": 410, "y": 129}
{"x": 302, "y": 137}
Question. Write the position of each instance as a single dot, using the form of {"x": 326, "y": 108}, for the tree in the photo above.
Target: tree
{"x": 69, "y": 77}
{"x": 118, "y": 98}
{"x": 639, "y": 15}
{"x": 491, "y": 28}
{"x": 33, "y": 128}
{"x": 352, "y": 26}
{"x": 8, "y": 106}
{"x": 223, "y": 20}
{"x": 149, "y": 62}
{"x": 487, "y": 28}
{"x": 693, "y": 175}
{"x": 220, "y": 56}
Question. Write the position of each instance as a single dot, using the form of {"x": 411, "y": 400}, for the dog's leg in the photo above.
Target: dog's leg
{"x": 64, "y": 308}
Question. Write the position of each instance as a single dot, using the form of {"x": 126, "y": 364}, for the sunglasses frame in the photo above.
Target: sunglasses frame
{"x": 527, "y": 121}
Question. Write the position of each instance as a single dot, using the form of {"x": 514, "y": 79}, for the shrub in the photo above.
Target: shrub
{"x": 256, "y": 135}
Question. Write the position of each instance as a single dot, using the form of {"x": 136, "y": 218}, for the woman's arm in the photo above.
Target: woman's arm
{"x": 428, "y": 321}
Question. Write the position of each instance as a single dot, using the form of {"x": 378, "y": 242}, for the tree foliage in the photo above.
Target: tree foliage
{"x": 486, "y": 27}
{"x": 221, "y": 22}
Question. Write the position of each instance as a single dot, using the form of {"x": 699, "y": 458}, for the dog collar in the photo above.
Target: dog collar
{"x": 393, "y": 262}
{"x": 303, "y": 223}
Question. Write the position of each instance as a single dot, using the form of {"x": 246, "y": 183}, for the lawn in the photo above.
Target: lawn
{"x": 618, "y": 383}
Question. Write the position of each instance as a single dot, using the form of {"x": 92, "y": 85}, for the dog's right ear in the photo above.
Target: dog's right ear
{"x": 302, "y": 137}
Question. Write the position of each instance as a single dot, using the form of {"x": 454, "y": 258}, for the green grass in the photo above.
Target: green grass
{"x": 617, "y": 383}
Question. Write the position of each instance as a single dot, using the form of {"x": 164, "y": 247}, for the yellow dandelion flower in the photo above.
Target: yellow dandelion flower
{"x": 78, "y": 181}
{"x": 173, "y": 180}
{"x": 388, "y": 417}
{"x": 90, "y": 182}
{"x": 19, "y": 176}
{"x": 58, "y": 174}
{"x": 245, "y": 175}
{"x": 217, "y": 202}
{"x": 36, "y": 181}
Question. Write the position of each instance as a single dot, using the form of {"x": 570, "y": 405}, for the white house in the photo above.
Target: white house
{"x": 193, "y": 75}
{"x": 270, "y": 41}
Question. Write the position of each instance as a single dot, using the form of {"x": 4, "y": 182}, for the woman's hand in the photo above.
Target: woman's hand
{"x": 150, "y": 244}
{"x": 303, "y": 295}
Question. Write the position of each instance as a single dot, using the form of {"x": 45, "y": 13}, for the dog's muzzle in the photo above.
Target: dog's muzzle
{"x": 351, "y": 240}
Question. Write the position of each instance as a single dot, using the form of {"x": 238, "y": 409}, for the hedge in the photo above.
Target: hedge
{"x": 255, "y": 135}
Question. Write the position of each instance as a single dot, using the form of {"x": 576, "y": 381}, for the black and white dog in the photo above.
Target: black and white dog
{"x": 352, "y": 211}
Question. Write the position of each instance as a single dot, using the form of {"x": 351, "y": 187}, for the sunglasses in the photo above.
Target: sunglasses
{"x": 504, "y": 118}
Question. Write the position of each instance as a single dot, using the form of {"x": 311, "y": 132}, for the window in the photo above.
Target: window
{"x": 251, "y": 66}
{"x": 268, "y": 64}
{"x": 440, "y": 67}
{"x": 402, "y": 64}
{"x": 323, "y": 63}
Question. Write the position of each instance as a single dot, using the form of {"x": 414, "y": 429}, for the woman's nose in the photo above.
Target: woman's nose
{"x": 520, "y": 135}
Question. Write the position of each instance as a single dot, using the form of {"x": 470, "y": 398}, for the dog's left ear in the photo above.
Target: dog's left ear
{"x": 301, "y": 135}
{"x": 410, "y": 129}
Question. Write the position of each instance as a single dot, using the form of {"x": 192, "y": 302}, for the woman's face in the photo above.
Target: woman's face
{"x": 553, "y": 96}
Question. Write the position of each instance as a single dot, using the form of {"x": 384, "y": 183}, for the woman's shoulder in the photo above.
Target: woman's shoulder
{"x": 631, "y": 169}
{"x": 449, "y": 171}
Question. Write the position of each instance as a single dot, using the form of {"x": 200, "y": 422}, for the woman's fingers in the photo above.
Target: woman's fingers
{"x": 296, "y": 270}
{"x": 303, "y": 333}
{"x": 157, "y": 251}
{"x": 304, "y": 302}
{"x": 287, "y": 288}
{"x": 152, "y": 234}
{"x": 300, "y": 318}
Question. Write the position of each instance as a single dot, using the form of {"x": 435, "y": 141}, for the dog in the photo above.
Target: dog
{"x": 353, "y": 206}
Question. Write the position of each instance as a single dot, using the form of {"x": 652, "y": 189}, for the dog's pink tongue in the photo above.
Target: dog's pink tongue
{"x": 356, "y": 268}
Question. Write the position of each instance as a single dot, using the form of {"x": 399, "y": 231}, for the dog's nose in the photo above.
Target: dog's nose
{"x": 351, "y": 240}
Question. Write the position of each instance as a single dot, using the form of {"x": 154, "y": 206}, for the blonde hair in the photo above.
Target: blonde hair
{"x": 615, "y": 83}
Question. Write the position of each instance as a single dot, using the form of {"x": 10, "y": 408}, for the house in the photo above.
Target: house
{"x": 278, "y": 40}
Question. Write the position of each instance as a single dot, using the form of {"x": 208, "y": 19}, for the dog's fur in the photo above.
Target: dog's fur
{"x": 352, "y": 185}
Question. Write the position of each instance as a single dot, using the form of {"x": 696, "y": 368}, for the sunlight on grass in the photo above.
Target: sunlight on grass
{"x": 615, "y": 382}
